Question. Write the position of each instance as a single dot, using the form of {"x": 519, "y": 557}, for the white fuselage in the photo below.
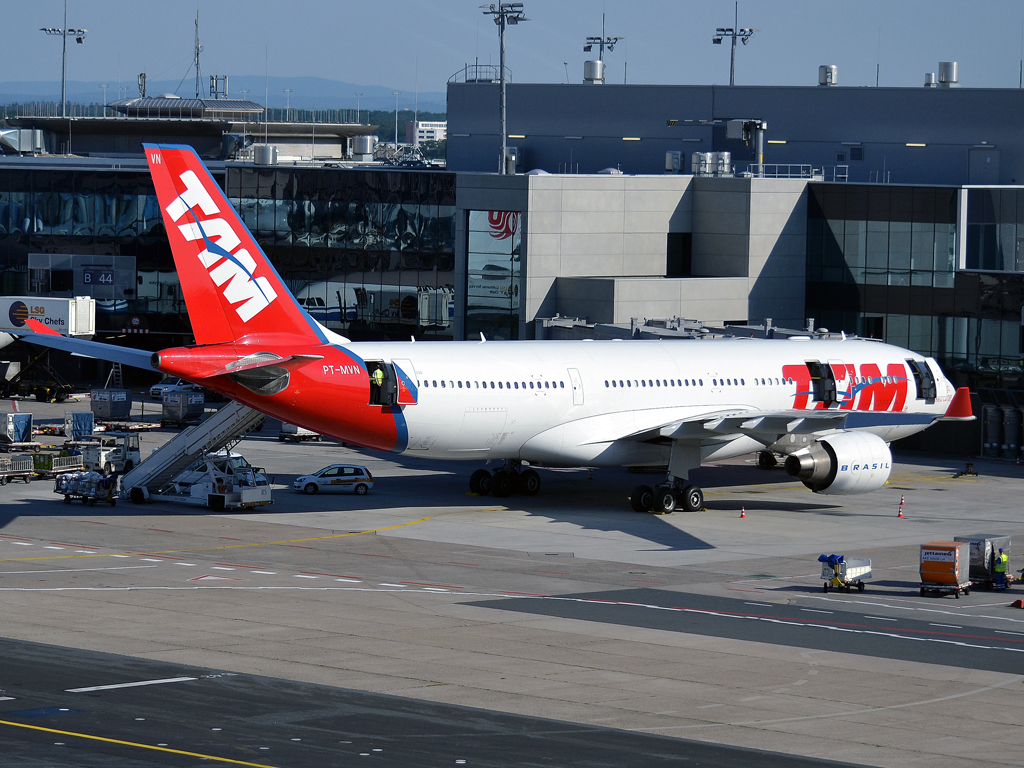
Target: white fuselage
{"x": 579, "y": 403}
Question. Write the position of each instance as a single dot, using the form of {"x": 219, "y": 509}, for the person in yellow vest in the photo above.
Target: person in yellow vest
{"x": 377, "y": 377}
{"x": 1000, "y": 566}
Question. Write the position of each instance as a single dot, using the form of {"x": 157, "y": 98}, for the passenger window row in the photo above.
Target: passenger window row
{"x": 492, "y": 385}
{"x": 620, "y": 383}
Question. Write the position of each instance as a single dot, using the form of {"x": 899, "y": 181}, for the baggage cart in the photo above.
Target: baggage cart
{"x": 48, "y": 465}
{"x": 841, "y": 572}
{"x": 110, "y": 404}
{"x": 297, "y": 434}
{"x": 87, "y": 487}
{"x": 984, "y": 550}
{"x": 181, "y": 408}
{"x": 18, "y": 468}
{"x": 945, "y": 568}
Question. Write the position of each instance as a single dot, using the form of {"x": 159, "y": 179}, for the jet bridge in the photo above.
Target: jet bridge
{"x": 221, "y": 431}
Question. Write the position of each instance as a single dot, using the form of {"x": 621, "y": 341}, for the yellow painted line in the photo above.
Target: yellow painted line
{"x": 222, "y": 546}
{"x": 134, "y": 744}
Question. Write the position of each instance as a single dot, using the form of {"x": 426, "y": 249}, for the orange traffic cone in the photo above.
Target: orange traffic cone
{"x": 743, "y": 513}
{"x": 901, "y": 506}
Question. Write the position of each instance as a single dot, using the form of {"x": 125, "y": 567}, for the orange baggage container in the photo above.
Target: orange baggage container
{"x": 946, "y": 563}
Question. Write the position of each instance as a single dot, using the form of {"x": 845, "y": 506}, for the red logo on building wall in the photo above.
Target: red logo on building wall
{"x": 503, "y": 224}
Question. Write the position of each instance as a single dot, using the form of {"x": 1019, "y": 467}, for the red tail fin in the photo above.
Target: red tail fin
{"x": 230, "y": 287}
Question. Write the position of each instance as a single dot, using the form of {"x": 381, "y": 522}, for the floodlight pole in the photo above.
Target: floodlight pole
{"x": 504, "y": 14}
{"x": 396, "y": 94}
{"x": 734, "y": 32}
{"x": 64, "y": 32}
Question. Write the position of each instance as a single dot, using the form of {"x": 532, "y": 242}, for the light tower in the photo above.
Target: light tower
{"x": 287, "y": 104}
{"x": 734, "y": 32}
{"x": 504, "y": 14}
{"x": 358, "y": 96}
{"x": 65, "y": 33}
{"x": 396, "y": 94}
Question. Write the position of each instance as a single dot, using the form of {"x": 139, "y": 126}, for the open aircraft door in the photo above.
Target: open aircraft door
{"x": 405, "y": 382}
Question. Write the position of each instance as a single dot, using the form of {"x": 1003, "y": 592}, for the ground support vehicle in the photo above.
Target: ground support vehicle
{"x": 297, "y": 434}
{"x": 48, "y": 465}
{"x": 18, "y": 468}
{"x": 841, "y": 572}
{"x": 87, "y": 487}
{"x": 945, "y": 568}
{"x": 984, "y": 551}
{"x": 112, "y": 452}
{"x": 336, "y": 477}
{"x": 220, "y": 480}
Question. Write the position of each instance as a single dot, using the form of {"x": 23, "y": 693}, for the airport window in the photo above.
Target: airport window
{"x": 460, "y": 385}
{"x": 743, "y": 382}
{"x": 856, "y": 154}
{"x": 701, "y": 382}
{"x": 561, "y": 385}
{"x": 493, "y": 251}
{"x": 434, "y": 384}
{"x": 613, "y": 382}
{"x": 840, "y": 157}
{"x": 629, "y": 383}
{"x": 516, "y": 383}
{"x": 492, "y": 385}
{"x": 643, "y": 383}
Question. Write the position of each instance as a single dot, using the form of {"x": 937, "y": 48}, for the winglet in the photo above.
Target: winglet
{"x": 960, "y": 406}
{"x": 38, "y": 327}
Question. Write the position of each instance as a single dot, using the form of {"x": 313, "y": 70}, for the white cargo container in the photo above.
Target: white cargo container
{"x": 68, "y": 317}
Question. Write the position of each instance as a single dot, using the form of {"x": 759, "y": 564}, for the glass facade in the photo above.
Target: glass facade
{"x": 494, "y": 257}
{"x": 995, "y": 229}
{"x": 369, "y": 253}
{"x": 881, "y": 262}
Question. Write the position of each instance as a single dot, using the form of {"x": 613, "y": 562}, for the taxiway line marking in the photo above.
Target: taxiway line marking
{"x": 287, "y": 542}
{"x": 424, "y": 584}
{"x": 134, "y": 744}
{"x": 137, "y": 684}
{"x": 82, "y": 570}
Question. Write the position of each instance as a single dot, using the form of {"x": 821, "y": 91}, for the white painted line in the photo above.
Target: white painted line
{"x": 130, "y": 685}
{"x": 48, "y": 547}
{"x": 1004, "y": 632}
{"x": 120, "y": 555}
{"x": 187, "y": 565}
{"x": 22, "y": 543}
{"x": 303, "y": 576}
{"x": 220, "y": 568}
{"x": 82, "y": 570}
{"x": 947, "y": 626}
{"x": 400, "y": 586}
{"x": 763, "y": 605}
{"x": 880, "y": 618}
{"x": 351, "y": 581}
{"x": 7, "y": 698}
{"x": 265, "y": 573}
{"x": 812, "y": 610}
{"x": 86, "y": 551}
{"x": 434, "y": 589}
{"x": 150, "y": 560}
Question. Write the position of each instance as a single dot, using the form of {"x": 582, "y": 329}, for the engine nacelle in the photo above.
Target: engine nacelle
{"x": 843, "y": 463}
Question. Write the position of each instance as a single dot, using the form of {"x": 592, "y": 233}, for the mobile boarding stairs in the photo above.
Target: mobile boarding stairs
{"x": 222, "y": 431}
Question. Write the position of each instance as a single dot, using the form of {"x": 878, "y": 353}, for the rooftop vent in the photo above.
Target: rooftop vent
{"x": 930, "y": 81}
{"x": 949, "y": 74}
{"x": 828, "y": 74}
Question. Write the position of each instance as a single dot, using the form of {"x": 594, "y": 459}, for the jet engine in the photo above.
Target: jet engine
{"x": 843, "y": 463}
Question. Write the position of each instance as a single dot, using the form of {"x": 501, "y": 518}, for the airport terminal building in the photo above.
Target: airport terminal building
{"x": 922, "y": 250}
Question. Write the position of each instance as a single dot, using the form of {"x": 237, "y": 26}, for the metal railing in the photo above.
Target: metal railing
{"x": 798, "y": 171}
{"x": 480, "y": 73}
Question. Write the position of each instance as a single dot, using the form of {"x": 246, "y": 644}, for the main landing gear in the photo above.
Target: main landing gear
{"x": 667, "y": 498}
{"x": 510, "y": 478}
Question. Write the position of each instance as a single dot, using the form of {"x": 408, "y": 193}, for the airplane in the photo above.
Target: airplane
{"x": 829, "y": 406}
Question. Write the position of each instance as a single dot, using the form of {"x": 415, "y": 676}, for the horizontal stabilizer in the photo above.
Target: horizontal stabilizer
{"x": 960, "y": 406}
{"x": 137, "y": 358}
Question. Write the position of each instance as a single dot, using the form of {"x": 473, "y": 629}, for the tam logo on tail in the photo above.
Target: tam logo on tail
{"x": 230, "y": 267}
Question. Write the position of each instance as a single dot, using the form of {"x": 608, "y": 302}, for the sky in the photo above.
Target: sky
{"x": 417, "y": 46}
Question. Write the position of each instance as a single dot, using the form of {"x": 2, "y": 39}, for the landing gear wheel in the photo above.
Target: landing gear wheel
{"x": 480, "y": 482}
{"x": 693, "y": 498}
{"x": 665, "y": 500}
{"x": 501, "y": 485}
{"x": 766, "y": 460}
{"x": 310, "y": 489}
{"x": 529, "y": 483}
{"x": 642, "y": 499}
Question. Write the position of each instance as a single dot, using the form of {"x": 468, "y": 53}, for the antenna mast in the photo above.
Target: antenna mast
{"x": 199, "y": 49}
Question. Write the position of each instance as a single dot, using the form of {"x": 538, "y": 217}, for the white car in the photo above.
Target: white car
{"x": 171, "y": 384}
{"x": 337, "y": 477}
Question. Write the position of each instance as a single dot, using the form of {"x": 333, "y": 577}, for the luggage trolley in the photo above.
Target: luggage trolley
{"x": 841, "y": 572}
{"x": 87, "y": 487}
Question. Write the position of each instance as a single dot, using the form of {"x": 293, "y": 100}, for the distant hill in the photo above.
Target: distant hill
{"x": 307, "y": 92}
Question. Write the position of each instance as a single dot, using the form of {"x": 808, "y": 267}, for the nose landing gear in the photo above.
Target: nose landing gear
{"x": 510, "y": 478}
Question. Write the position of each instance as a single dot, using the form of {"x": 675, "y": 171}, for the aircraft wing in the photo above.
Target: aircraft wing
{"x": 44, "y": 337}
{"x": 769, "y": 427}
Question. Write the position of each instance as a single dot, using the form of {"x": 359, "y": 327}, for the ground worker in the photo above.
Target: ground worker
{"x": 378, "y": 378}
{"x": 1000, "y": 566}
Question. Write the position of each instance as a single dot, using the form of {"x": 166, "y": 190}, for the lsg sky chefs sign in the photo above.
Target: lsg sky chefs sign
{"x": 70, "y": 317}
